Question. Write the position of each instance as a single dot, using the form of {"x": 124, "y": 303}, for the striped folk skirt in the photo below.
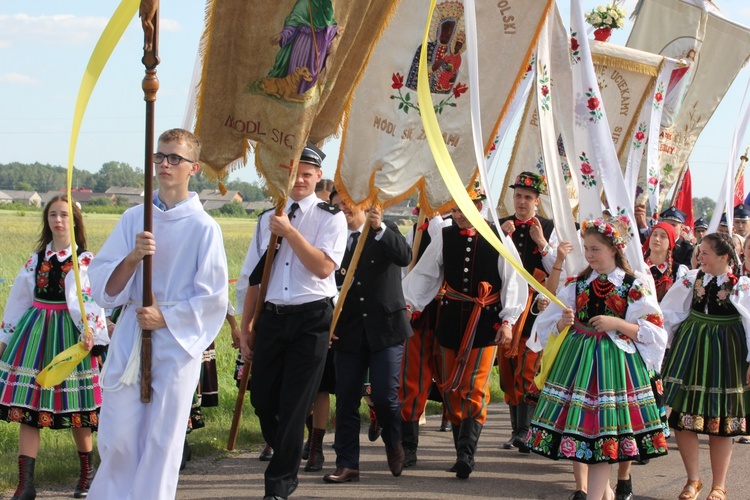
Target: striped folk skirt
{"x": 597, "y": 405}
{"x": 704, "y": 376}
{"x": 44, "y": 331}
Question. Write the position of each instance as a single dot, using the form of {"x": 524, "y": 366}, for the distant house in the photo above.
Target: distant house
{"x": 133, "y": 195}
{"x": 5, "y": 198}
{"x": 125, "y": 191}
{"x": 82, "y": 196}
{"x": 212, "y": 199}
{"x": 26, "y": 197}
{"x": 252, "y": 207}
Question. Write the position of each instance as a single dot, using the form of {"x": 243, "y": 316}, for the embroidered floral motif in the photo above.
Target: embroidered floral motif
{"x": 617, "y": 305}
{"x": 655, "y": 319}
{"x": 659, "y": 96}
{"x": 544, "y": 97}
{"x": 587, "y": 171}
{"x": 594, "y": 106}
{"x": 575, "y": 52}
{"x": 635, "y": 294}
{"x": 640, "y": 135}
{"x": 45, "y": 419}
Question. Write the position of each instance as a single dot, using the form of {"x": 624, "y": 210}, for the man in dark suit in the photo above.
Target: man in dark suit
{"x": 370, "y": 334}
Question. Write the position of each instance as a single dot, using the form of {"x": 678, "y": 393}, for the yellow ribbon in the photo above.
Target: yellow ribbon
{"x": 56, "y": 372}
{"x": 450, "y": 174}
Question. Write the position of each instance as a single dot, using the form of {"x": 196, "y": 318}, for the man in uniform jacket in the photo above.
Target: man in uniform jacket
{"x": 370, "y": 334}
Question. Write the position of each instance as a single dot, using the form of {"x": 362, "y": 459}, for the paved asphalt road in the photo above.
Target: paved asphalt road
{"x": 499, "y": 473}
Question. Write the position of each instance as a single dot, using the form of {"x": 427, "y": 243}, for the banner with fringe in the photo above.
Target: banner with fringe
{"x": 627, "y": 80}
{"x": 277, "y": 73}
{"x": 384, "y": 151}
{"x": 714, "y": 49}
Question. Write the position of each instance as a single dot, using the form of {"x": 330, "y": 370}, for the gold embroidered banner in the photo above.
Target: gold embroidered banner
{"x": 714, "y": 47}
{"x": 384, "y": 151}
{"x": 275, "y": 73}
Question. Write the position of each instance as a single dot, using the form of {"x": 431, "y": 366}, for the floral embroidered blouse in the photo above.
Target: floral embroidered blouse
{"x": 636, "y": 305}
{"x": 30, "y": 285}
{"x": 723, "y": 295}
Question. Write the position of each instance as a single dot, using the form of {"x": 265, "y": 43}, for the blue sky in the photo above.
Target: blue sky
{"x": 45, "y": 46}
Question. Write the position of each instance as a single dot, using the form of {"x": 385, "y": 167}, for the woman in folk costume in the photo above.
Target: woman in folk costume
{"x": 43, "y": 318}
{"x": 597, "y": 406}
{"x": 657, "y": 252}
{"x": 706, "y": 374}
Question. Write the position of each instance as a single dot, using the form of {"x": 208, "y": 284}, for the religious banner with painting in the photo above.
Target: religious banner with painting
{"x": 714, "y": 49}
{"x": 384, "y": 152}
{"x": 275, "y": 73}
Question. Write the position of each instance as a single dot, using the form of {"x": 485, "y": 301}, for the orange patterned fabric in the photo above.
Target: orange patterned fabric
{"x": 417, "y": 371}
{"x": 471, "y": 397}
{"x": 517, "y": 374}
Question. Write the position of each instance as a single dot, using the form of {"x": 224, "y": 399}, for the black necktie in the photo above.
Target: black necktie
{"x": 257, "y": 275}
{"x": 353, "y": 240}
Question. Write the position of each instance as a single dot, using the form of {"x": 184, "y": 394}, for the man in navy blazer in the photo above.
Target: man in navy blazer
{"x": 370, "y": 335}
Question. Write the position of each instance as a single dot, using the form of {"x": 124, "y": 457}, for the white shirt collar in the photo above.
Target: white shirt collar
{"x": 719, "y": 279}
{"x": 615, "y": 277}
{"x": 304, "y": 204}
{"x": 61, "y": 255}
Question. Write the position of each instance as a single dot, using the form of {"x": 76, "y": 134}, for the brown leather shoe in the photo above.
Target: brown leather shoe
{"x": 395, "y": 458}
{"x": 342, "y": 475}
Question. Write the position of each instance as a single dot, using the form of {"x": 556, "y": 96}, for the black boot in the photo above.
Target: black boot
{"x": 316, "y": 459}
{"x": 444, "y": 422}
{"x": 25, "y": 490}
{"x": 87, "y": 475}
{"x": 468, "y": 437}
{"x": 410, "y": 441}
{"x": 306, "y": 448}
{"x": 509, "y": 444}
{"x": 455, "y": 429}
{"x": 624, "y": 490}
{"x": 187, "y": 454}
{"x": 524, "y": 413}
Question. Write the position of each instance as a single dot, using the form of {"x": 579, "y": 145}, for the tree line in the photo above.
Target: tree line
{"x": 45, "y": 177}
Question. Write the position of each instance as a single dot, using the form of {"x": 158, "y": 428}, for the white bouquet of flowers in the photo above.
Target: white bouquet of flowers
{"x": 606, "y": 16}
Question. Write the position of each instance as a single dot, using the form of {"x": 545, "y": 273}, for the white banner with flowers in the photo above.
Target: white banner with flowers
{"x": 384, "y": 153}
{"x": 645, "y": 142}
{"x": 597, "y": 161}
{"x": 715, "y": 50}
{"x": 627, "y": 79}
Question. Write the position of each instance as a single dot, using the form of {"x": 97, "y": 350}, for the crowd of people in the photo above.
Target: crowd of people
{"x": 602, "y": 376}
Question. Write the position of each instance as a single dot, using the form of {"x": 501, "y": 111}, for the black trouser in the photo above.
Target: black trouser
{"x": 288, "y": 361}
{"x": 351, "y": 368}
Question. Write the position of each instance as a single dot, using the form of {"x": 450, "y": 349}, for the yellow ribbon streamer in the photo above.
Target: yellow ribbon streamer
{"x": 57, "y": 370}
{"x": 453, "y": 180}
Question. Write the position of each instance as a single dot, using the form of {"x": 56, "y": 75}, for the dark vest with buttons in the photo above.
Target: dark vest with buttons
{"x": 709, "y": 302}
{"x": 531, "y": 255}
{"x": 467, "y": 261}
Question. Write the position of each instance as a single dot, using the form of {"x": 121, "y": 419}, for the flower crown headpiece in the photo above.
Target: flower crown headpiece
{"x": 606, "y": 229}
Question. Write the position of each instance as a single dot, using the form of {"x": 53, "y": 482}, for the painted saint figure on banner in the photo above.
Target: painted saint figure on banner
{"x": 443, "y": 50}
{"x": 305, "y": 43}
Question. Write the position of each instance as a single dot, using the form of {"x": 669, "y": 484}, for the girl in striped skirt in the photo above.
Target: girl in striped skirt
{"x": 42, "y": 318}
{"x": 597, "y": 406}
{"x": 706, "y": 375}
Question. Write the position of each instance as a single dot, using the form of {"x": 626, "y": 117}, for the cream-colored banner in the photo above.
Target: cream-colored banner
{"x": 715, "y": 49}
{"x": 384, "y": 152}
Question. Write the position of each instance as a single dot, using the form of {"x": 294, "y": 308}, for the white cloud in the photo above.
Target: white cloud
{"x": 57, "y": 29}
{"x": 17, "y": 78}
{"x": 61, "y": 29}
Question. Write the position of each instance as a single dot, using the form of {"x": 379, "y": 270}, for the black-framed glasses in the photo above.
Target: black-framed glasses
{"x": 172, "y": 159}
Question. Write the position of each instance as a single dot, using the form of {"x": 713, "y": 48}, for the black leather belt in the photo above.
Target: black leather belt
{"x": 316, "y": 305}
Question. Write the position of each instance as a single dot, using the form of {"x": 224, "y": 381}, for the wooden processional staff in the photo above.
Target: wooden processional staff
{"x": 148, "y": 12}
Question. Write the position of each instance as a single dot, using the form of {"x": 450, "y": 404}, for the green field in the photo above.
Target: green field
{"x": 57, "y": 461}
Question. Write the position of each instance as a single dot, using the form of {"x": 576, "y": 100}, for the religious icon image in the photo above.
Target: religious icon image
{"x": 304, "y": 46}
